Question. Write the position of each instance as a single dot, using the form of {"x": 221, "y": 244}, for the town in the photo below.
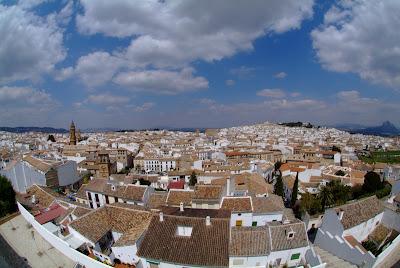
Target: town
{"x": 199, "y": 134}
{"x": 263, "y": 195}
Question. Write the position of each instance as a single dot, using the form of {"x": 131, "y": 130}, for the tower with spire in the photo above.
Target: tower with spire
{"x": 72, "y": 135}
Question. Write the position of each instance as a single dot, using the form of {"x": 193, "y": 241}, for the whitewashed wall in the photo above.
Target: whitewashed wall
{"x": 361, "y": 231}
{"x": 60, "y": 244}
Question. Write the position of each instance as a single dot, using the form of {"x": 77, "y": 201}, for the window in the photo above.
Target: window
{"x": 239, "y": 223}
{"x": 295, "y": 256}
{"x": 238, "y": 262}
{"x": 254, "y": 223}
{"x": 116, "y": 199}
{"x": 96, "y": 196}
{"x": 290, "y": 235}
{"x": 184, "y": 230}
{"x": 107, "y": 202}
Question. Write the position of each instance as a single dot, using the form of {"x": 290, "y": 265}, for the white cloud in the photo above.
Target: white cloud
{"x": 207, "y": 101}
{"x": 27, "y": 4}
{"x": 271, "y": 93}
{"x": 144, "y": 107}
{"x": 97, "y": 68}
{"x": 107, "y": 99}
{"x": 161, "y": 81}
{"x": 295, "y": 94}
{"x": 361, "y": 37}
{"x": 353, "y": 99}
{"x": 30, "y": 45}
{"x": 13, "y": 95}
{"x": 243, "y": 71}
{"x": 63, "y": 73}
{"x": 230, "y": 82}
{"x": 175, "y": 33}
{"x": 280, "y": 75}
{"x": 298, "y": 105}
{"x": 25, "y": 105}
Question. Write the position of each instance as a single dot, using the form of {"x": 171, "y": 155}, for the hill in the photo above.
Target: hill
{"x": 33, "y": 129}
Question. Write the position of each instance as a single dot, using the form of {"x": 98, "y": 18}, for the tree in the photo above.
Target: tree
{"x": 125, "y": 170}
{"x": 144, "y": 182}
{"x": 295, "y": 190}
{"x": 193, "y": 179}
{"x": 278, "y": 187}
{"x": 86, "y": 178}
{"x": 356, "y": 191}
{"x": 326, "y": 197}
{"x": 340, "y": 173}
{"x": 277, "y": 165}
{"x": 51, "y": 138}
{"x": 7, "y": 197}
{"x": 372, "y": 182}
{"x": 340, "y": 193}
{"x": 309, "y": 203}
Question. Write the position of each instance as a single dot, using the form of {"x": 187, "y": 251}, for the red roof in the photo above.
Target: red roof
{"x": 50, "y": 214}
{"x": 176, "y": 184}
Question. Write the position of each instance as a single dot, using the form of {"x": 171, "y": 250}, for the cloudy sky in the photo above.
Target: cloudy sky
{"x": 189, "y": 63}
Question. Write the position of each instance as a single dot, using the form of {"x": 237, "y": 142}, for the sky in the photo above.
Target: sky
{"x": 187, "y": 63}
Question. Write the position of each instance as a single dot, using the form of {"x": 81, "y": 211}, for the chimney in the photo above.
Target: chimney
{"x": 341, "y": 212}
{"x": 228, "y": 186}
{"x": 181, "y": 207}
{"x": 33, "y": 200}
{"x": 161, "y": 216}
{"x": 208, "y": 221}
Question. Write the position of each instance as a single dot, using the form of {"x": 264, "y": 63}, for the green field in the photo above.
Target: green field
{"x": 383, "y": 157}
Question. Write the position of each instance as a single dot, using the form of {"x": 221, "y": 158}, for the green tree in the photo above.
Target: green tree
{"x": 372, "y": 182}
{"x": 278, "y": 187}
{"x": 340, "y": 173}
{"x": 193, "y": 179}
{"x": 277, "y": 165}
{"x": 326, "y": 197}
{"x": 86, "y": 178}
{"x": 295, "y": 190}
{"x": 51, "y": 138}
{"x": 340, "y": 193}
{"x": 309, "y": 203}
{"x": 7, "y": 197}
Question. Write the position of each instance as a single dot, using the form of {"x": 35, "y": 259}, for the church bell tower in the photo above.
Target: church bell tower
{"x": 72, "y": 136}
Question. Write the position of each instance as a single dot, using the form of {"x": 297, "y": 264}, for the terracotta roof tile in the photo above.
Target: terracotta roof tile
{"x": 237, "y": 204}
{"x": 280, "y": 232}
{"x": 208, "y": 192}
{"x": 206, "y": 246}
{"x": 175, "y": 197}
{"x": 249, "y": 241}
{"x": 97, "y": 223}
{"x": 360, "y": 211}
{"x": 157, "y": 200}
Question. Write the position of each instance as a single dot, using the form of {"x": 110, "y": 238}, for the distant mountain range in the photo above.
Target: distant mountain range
{"x": 387, "y": 129}
{"x": 62, "y": 130}
{"x": 33, "y": 129}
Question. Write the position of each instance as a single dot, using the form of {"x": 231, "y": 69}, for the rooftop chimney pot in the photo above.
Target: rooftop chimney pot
{"x": 208, "y": 221}
{"x": 181, "y": 207}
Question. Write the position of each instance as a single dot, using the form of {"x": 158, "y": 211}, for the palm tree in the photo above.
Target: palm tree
{"x": 326, "y": 197}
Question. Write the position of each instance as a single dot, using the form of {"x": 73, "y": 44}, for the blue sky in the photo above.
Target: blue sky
{"x": 139, "y": 64}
